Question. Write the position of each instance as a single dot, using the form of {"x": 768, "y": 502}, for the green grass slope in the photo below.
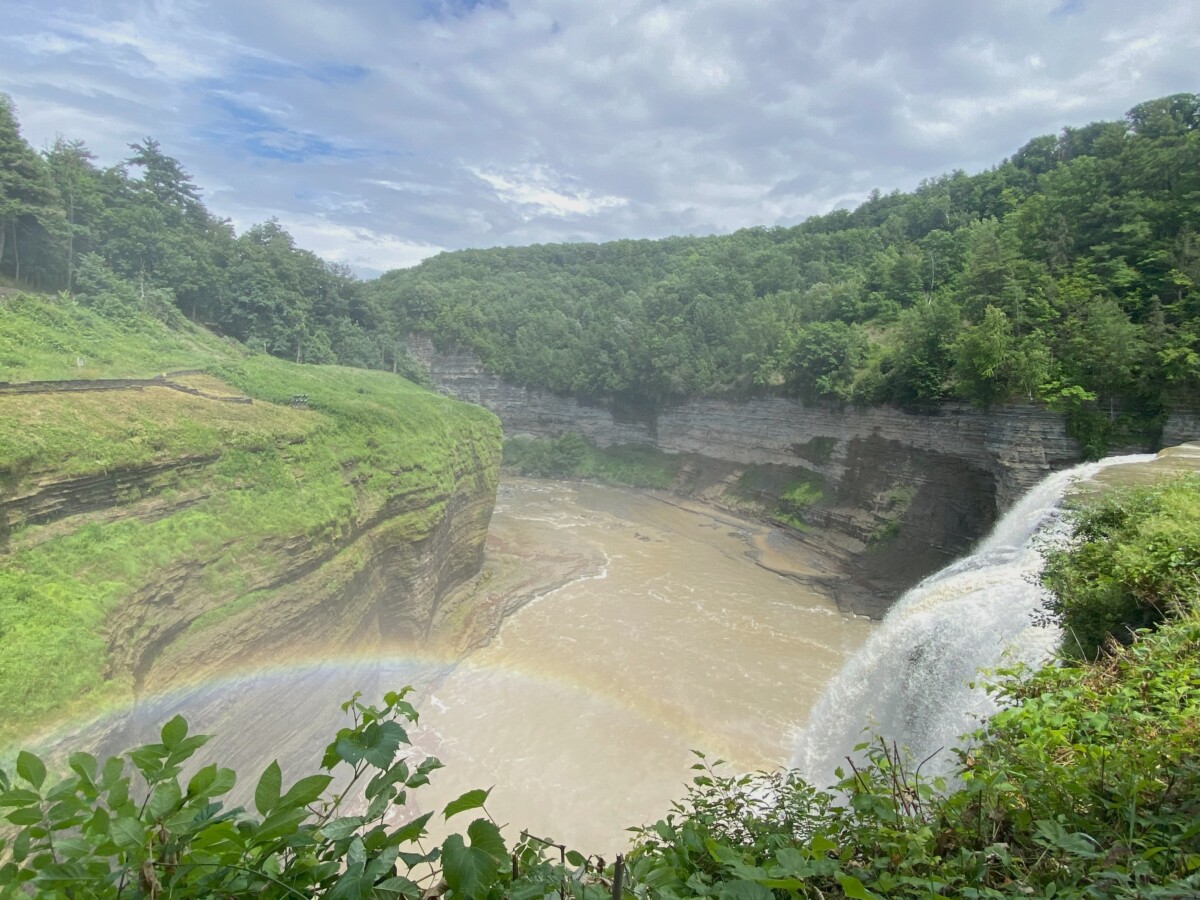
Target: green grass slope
{"x": 223, "y": 496}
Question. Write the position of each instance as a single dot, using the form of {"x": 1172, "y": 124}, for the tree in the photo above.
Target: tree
{"x": 822, "y": 362}
{"x": 77, "y": 181}
{"x": 981, "y": 354}
{"x": 166, "y": 179}
{"x": 27, "y": 196}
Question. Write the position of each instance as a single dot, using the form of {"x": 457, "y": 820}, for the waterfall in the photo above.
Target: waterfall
{"x": 912, "y": 681}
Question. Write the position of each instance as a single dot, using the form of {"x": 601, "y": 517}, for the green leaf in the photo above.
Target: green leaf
{"x": 412, "y": 860}
{"x": 532, "y": 891}
{"x": 356, "y": 856}
{"x": 383, "y": 862}
{"x": 84, "y": 765}
{"x": 722, "y": 854}
{"x": 855, "y": 889}
{"x": 118, "y": 794}
{"x": 114, "y": 771}
{"x": 428, "y": 764}
{"x": 744, "y": 890}
{"x": 821, "y": 845}
{"x": 199, "y": 783}
{"x": 470, "y": 800}
{"x": 351, "y": 886}
{"x": 222, "y": 784}
{"x": 468, "y": 871}
{"x": 19, "y": 797}
{"x": 341, "y": 828}
{"x": 174, "y": 732}
{"x": 127, "y": 833}
{"x": 305, "y": 791}
{"x": 399, "y": 886}
{"x": 486, "y": 836}
{"x": 148, "y": 759}
{"x": 164, "y": 799}
{"x": 31, "y": 768}
{"x": 377, "y": 743}
{"x": 266, "y": 795}
{"x": 791, "y": 859}
{"x": 20, "y": 846}
{"x": 398, "y": 772}
{"x": 280, "y": 823}
{"x": 411, "y": 831}
{"x": 377, "y": 807}
{"x": 26, "y": 815}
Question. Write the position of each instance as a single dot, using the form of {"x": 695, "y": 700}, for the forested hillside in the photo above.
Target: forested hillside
{"x": 1067, "y": 274}
{"x": 137, "y": 237}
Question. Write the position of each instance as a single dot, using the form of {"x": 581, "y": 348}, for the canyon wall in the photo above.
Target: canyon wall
{"x": 380, "y": 583}
{"x": 1182, "y": 425}
{"x": 382, "y": 580}
{"x": 904, "y": 494}
{"x": 247, "y": 535}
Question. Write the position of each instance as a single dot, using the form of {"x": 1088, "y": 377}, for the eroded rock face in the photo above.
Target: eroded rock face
{"x": 382, "y": 583}
{"x": 1182, "y": 426}
{"x": 909, "y": 491}
{"x": 381, "y": 580}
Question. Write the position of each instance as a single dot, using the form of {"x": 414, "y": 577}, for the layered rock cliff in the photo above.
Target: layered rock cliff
{"x": 153, "y": 534}
{"x": 380, "y": 582}
{"x": 904, "y": 492}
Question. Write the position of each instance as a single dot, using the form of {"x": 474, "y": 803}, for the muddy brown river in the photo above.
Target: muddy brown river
{"x": 585, "y": 707}
{"x": 648, "y": 629}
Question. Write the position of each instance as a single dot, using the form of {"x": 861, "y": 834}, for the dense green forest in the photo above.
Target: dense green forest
{"x": 1068, "y": 274}
{"x": 137, "y": 237}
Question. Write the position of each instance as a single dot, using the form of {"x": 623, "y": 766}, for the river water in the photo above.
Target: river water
{"x": 585, "y": 707}
{"x": 654, "y": 629}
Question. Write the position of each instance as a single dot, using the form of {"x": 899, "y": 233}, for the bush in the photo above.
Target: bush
{"x": 106, "y": 831}
{"x": 1132, "y": 561}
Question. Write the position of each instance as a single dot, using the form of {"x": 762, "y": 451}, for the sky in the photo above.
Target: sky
{"x": 381, "y": 132}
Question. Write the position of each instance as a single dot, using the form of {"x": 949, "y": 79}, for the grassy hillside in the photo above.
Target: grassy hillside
{"x": 134, "y": 488}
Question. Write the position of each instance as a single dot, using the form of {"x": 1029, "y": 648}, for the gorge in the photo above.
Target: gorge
{"x": 903, "y": 493}
{"x": 227, "y": 494}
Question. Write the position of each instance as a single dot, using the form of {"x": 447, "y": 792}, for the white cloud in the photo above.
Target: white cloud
{"x": 536, "y": 190}
{"x": 363, "y": 249}
{"x": 336, "y": 202}
{"x": 45, "y": 43}
{"x": 380, "y": 136}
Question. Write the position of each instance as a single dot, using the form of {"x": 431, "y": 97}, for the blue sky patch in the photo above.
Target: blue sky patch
{"x": 456, "y": 9}
{"x": 255, "y": 131}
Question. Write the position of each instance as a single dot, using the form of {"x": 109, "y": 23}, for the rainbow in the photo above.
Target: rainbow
{"x": 295, "y": 704}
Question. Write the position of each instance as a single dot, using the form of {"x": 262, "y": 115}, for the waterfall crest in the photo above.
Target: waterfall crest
{"x": 911, "y": 682}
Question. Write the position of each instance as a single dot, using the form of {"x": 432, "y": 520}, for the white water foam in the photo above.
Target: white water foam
{"x": 912, "y": 681}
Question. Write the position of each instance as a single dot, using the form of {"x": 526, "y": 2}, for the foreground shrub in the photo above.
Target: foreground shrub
{"x": 132, "y": 827}
{"x": 1133, "y": 561}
